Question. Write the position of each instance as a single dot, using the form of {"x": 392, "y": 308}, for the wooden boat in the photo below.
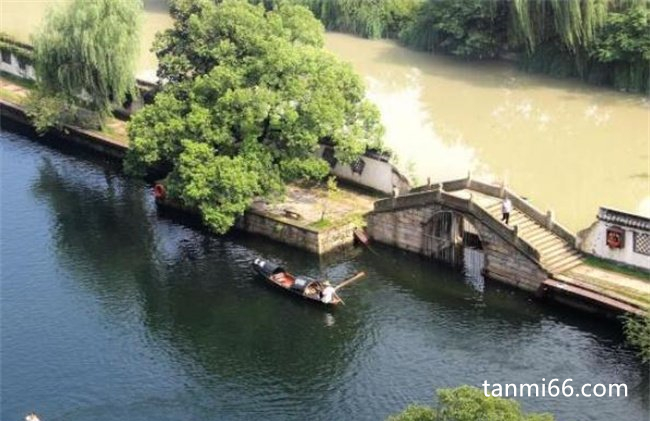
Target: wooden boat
{"x": 304, "y": 286}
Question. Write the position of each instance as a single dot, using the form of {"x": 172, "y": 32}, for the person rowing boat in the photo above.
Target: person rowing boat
{"x": 328, "y": 293}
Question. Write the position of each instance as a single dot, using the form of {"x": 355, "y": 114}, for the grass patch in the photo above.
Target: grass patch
{"x": 614, "y": 267}
{"x": 109, "y": 131}
{"x": 321, "y": 224}
{"x": 355, "y": 218}
{"x": 11, "y": 96}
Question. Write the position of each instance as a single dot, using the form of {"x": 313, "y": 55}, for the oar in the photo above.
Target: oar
{"x": 340, "y": 299}
{"x": 349, "y": 281}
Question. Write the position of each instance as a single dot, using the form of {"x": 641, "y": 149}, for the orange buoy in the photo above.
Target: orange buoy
{"x": 159, "y": 192}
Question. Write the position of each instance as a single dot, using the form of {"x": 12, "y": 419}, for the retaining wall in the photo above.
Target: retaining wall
{"x": 316, "y": 241}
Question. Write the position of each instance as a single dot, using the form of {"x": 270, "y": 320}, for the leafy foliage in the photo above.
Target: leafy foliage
{"x": 637, "y": 332}
{"x": 86, "y": 51}
{"x": 623, "y": 44}
{"x": 468, "y": 403}
{"x": 47, "y": 112}
{"x": 253, "y": 94}
{"x": 368, "y": 18}
{"x": 471, "y": 28}
{"x": 415, "y": 413}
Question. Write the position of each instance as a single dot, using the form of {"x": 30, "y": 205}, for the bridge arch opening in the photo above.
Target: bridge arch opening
{"x": 452, "y": 238}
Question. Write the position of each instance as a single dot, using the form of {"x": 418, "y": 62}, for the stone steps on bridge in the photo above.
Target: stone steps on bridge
{"x": 556, "y": 255}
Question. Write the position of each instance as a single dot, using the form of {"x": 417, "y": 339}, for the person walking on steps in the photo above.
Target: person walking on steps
{"x": 506, "y": 208}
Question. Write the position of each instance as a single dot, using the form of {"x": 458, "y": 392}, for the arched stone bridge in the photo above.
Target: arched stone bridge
{"x": 437, "y": 220}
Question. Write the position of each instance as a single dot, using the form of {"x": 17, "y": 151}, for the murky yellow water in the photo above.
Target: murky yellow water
{"x": 565, "y": 145}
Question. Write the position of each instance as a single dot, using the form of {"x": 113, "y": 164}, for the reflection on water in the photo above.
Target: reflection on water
{"x": 473, "y": 264}
{"x": 565, "y": 145}
{"x": 111, "y": 312}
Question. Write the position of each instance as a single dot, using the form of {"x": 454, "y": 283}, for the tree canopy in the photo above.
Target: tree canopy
{"x": 86, "y": 52}
{"x": 250, "y": 95}
{"x": 467, "y": 403}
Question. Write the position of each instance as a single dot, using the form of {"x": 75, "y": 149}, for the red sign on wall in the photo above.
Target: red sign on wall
{"x": 615, "y": 238}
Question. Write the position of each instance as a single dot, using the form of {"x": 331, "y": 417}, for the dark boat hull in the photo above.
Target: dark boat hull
{"x": 271, "y": 272}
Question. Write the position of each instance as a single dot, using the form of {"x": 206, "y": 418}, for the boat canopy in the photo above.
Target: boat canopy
{"x": 267, "y": 268}
{"x": 301, "y": 283}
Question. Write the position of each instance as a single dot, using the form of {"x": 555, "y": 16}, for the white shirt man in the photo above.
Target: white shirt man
{"x": 506, "y": 208}
{"x": 328, "y": 294}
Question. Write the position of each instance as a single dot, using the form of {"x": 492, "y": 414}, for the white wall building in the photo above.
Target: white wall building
{"x": 371, "y": 171}
{"x": 11, "y": 64}
{"x": 619, "y": 236}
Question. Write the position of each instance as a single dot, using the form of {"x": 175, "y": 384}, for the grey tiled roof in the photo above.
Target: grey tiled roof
{"x": 626, "y": 219}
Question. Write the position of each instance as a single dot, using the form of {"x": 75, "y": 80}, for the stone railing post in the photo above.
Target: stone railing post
{"x": 549, "y": 219}
{"x": 439, "y": 192}
{"x": 502, "y": 192}
{"x": 468, "y": 180}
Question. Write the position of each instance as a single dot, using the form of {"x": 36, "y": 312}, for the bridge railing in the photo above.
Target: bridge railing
{"x": 544, "y": 219}
{"x": 507, "y": 232}
{"x": 440, "y": 197}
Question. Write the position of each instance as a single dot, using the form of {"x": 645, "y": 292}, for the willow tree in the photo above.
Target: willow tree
{"x": 86, "y": 52}
{"x": 367, "y": 18}
{"x": 573, "y": 22}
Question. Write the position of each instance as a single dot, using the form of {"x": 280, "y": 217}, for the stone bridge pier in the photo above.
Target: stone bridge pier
{"x": 437, "y": 231}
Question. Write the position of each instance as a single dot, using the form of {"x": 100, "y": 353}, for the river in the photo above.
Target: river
{"x": 564, "y": 145}
{"x": 110, "y": 311}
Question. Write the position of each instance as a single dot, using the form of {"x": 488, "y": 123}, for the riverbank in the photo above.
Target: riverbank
{"x": 322, "y": 221}
{"x": 13, "y": 93}
{"x": 91, "y": 140}
{"x": 311, "y": 218}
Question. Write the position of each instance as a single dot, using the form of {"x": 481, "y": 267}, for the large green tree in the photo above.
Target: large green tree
{"x": 467, "y": 403}
{"x": 86, "y": 50}
{"x": 249, "y": 96}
